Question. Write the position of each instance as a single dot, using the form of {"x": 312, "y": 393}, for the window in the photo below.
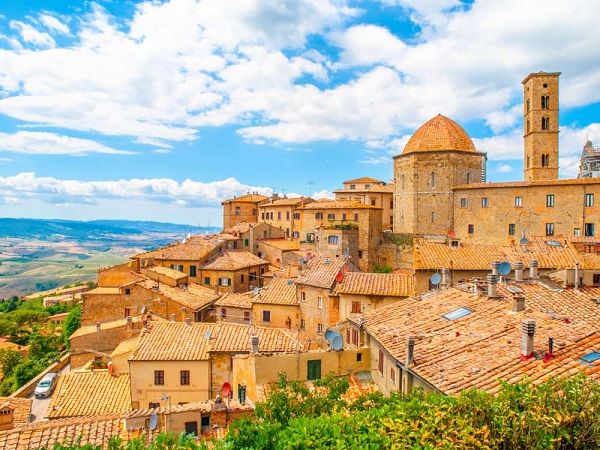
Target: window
{"x": 206, "y": 280}
{"x": 576, "y": 231}
{"x": 468, "y": 177}
{"x": 320, "y": 302}
{"x": 545, "y": 102}
{"x": 590, "y": 357}
{"x": 332, "y": 240}
{"x": 589, "y": 199}
{"x": 127, "y": 291}
{"x": 360, "y": 254}
{"x": 356, "y": 217}
{"x": 159, "y": 377}
{"x": 127, "y": 312}
{"x": 358, "y": 357}
{"x": 355, "y": 337}
{"x": 313, "y": 369}
{"x": 287, "y": 215}
{"x": 545, "y": 123}
{"x": 457, "y": 313}
{"x": 528, "y": 105}
{"x": 471, "y": 228}
{"x": 550, "y": 200}
{"x": 518, "y": 202}
{"x": 295, "y": 234}
{"x": 432, "y": 216}
{"x": 193, "y": 271}
{"x": 296, "y": 216}
{"x": 589, "y": 229}
{"x": 546, "y": 160}
{"x": 380, "y": 362}
{"x": 262, "y": 216}
{"x": 246, "y": 242}
{"x": 224, "y": 281}
{"x": 343, "y": 216}
{"x": 485, "y": 202}
{"x": 319, "y": 216}
{"x": 330, "y": 216}
{"x": 356, "y": 307}
{"x": 319, "y": 328}
{"x": 191, "y": 428}
{"x": 367, "y": 186}
{"x": 237, "y": 211}
{"x": 184, "y": 377}
{"x": 549, "y": 229}
{"x": 241, "y": 278}
{"x": 391, "y": 204}
{"x": 153, "y": 405}
{"x": 373, "y": 202}
{"x": 402, "y": 182}
{"x": 266, "y": 316}
{"x": 392, "y": 375}
{"x": 223, "y": 313}
{"x": 464, "y": 202}
{"x": 596, "y": 279}
{"x": 511, "y": 229}
{"x": 279, "y": 215}
{"x": 247, "y": 316}
{"x": 528, "y": 126}
{"x": 302, "y": 324}
{"x": 302, "y": 296}
{"x": 352, "y": 186}
{"x": 252, "y": 276}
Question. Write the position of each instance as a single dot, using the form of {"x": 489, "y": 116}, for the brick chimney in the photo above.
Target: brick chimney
{"x": 519, "y": 266}
{"x": 527, "y": 338}
{"x": 533, "y": 269}
{"x": 518, "y": 302}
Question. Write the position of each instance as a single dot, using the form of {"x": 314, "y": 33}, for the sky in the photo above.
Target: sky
{"x": 159, "y": 110}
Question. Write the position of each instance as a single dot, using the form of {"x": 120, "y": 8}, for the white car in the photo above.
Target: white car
{"x": 46, "y": 385}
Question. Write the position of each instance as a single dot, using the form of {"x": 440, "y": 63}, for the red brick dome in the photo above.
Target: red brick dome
{"x": 439, "y": 133}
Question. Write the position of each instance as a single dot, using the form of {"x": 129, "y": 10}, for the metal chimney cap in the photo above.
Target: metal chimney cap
{"x": 534, "y": 263}
{"x": 519, "y": 265}
{"x": 528, "y": 326}
{"x": 492, "y": 279}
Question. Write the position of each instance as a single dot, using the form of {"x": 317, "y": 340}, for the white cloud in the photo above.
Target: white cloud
{"x": 31, "y": 35}
{"x": 323, "y": 194}
{"x": 504, "y": 168}
{"x": 40, "y": 142}
{"x": 53, "y": 24}
{"x": 163, "y": 190}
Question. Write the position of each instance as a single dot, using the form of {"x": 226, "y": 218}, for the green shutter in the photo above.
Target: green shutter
{"x": 313, "y": 369}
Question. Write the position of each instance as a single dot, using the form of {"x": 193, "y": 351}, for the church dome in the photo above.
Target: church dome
{"x": 439, "y": 133}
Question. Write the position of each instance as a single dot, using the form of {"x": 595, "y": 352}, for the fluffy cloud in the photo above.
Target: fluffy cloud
{"x": 31, "y": 35}
{"x": 53, "y": 24}
{"x": 186, "y": 193}
{"x": 40, "y": 142}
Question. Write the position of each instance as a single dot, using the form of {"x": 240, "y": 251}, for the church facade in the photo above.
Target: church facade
{"x": 440, "y": 186}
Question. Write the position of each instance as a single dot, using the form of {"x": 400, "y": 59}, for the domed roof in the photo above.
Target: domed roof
{"x": 439, "y": 133}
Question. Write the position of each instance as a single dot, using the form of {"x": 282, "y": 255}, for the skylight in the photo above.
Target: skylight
{"x": 457, "y": 313}
{"x": 591, "y": 357}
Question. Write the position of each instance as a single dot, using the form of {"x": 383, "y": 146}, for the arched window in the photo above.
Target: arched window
{"x": 545, "y": 123}
{"x": 528, "y": 105}
{"x": 432, "y": 216}
{"x": 545, "y": 102}
{"x": 468, "y": 177}
{"x": 332, "y": 240}
{"x": 432, "y": 179}
{"x": 546, "y": 160}
{"x": 528, "y": 126}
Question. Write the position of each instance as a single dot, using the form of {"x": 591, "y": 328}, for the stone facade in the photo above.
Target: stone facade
{"x": 241, "y": 209}
{"x": 280, "y": 316}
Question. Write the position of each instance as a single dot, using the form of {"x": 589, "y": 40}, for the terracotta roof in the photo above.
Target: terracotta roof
{"x": 283, "y": 244}
{"x": 96, "y": 431}
{"x": 280, "y": 291}
{"x": 439, "y": 133}
{"x": 558, "y": 254}
{"x": 202, "y": 406}
{"x": 90, "y": 393}
{"x": 91, "y": 329}
{"x": 363, "y": 180}
{"x": 103, "y": 291}
{"x": 246, "y": 198}
{"x": 233, "y": 260}
{"x": 516, "y": 184}
{"x": 21, "y": 408}
{"x": 192, "y": 296}
{"x": 195, "y": 248}
{"x": 321, "y": 272}
{"x": 241, "y": 227}
{"x": 234, "y": 300}
{"x": 377, "y": 188}
{"x": 285, "y": 201}
{"x": 177, "y": 341}
{"x": 168, "y": 272}
{"x": 126, "y": 346}
{"x": 383, "y": 284}
{"x": 483, "y": 347}
{"x": 338, "y": 204}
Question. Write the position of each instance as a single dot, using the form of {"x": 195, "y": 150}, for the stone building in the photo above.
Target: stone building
{"x": 283, "y": 213}
{"x": 277, "y": 305}
{"x": 589, "y": 164}
{"x": 241, "y": 209}
{"x": 371, "y": 191}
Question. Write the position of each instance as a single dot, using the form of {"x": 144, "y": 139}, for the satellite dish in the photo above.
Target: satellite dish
{"x": 435, "y": 279}
{"x": 303, "y": 261}
{"x": 226, "y": 390}
{"x": 524, "y": 241}
{"x": 256, "y": 290}
{"x": 339, "y": 277}
{"x": 290, "y": 282}
{"x": 346, "y": 253}
{"x": 504, "y": 268}
{"x": 329, "y": 334}
{"x": 337, "y": 343}
{"x": 451, "y": 234}
{"x": 144, "y": 309}
{"x": 153, "y": 422}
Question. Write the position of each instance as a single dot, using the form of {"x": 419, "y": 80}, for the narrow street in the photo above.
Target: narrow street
{"x": 40, "y": 405}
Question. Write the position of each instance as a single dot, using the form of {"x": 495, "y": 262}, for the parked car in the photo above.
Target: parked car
{"x": 46, "y": 385}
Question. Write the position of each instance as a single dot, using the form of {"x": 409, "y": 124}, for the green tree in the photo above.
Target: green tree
{"x": 72, "y": 323}
{"x": 9, "y": 359}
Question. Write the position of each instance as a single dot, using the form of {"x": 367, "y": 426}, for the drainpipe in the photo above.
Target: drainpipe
{"x": 406, "y": 376}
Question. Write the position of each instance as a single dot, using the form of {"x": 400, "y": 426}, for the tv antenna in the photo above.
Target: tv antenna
{"x": 310, "y": 185}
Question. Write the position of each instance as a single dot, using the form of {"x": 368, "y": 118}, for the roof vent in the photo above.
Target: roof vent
{"x": 519, "y": 266}
{"x": 254, "y": 342}
{"x": 492, "y": 290}
{"x": 533, "y": 269}
{"x": 518, "y": 302}
{"x": 495, "y": 265}
{"x": 527, "y": 338}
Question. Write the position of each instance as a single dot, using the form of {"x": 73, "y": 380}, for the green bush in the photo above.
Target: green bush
{"x": 72, "y": 323}
{"x": 382, "y": 268}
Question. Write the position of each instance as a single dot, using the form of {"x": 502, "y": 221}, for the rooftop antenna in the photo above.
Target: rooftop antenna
{"x": 310, "y": 185}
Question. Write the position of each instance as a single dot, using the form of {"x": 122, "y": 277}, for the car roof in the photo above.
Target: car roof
{"x": 49, "y": 376}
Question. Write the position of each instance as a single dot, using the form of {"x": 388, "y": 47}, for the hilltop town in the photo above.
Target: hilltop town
{"x": 436, "y": 280}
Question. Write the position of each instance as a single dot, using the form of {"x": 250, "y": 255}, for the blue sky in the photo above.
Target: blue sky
{"x": 159, "y": 110}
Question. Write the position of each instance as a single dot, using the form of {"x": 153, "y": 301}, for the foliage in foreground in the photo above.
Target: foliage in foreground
{"x": 559, "y": 414}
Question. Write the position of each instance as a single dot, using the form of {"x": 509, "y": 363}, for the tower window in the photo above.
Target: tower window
{"x": 518, "y": 202}
{"x": 464, "y": 202}
{"x": 432, "y": 179}
{"x": 549, "y": 229}
{"x": 528, "y": 105}
{"x": 528, "y": 126}
{"x": 546, "y": 160}
{"x": 432, "y": 216}
{"x": 550, "y": 200}
{"x": 470, "y": 228}
{"x": 545, "y": 123}
{"x": 528, "y": 162}
{"x": 485, "y": 202}
{"x": 468, "y": 177}
{"x": 402, "y": 182}
{"x": 589, "y": 200}
{"x": 545, "y": 102}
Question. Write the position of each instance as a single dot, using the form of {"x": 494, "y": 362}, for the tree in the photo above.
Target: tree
{"x": 9, "y": 359}
{"x": 72, "y": 323}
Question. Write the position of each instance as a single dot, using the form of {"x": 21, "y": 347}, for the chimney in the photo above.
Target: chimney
{"x": 518, "y": 302}
{"x": 446, "y": 278}
{"x": 519, "y": 271}
{"x": 527, "y": 335}
{"x": 172, "y": 317}
{"x": 495, "y": 265}
{"x": 492, "y": 290}
{"x": 533, "y": 269}
{"x": 410, "y": 350}
{"x": 576, "y": 281}
{"x": 216, "y": 289}
{"x": 254, "y": 341}
{"x": 129, "y": 321}
{"x": 98, "y": 326}
{"x": 188, "y": 320}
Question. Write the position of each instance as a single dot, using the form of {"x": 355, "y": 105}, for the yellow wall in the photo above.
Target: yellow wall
{"x": 279, "y": 315}
{"x": 368, "y": 303}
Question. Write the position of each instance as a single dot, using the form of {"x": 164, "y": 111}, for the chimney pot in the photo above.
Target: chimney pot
{"x": 518, "y": 302}
{"x": 254, "y": 341}
{"x": 533, "y": 269}
{"x": 527, "y": 338}
{"x": 495, "y": 265}
{"x": 188, "y": 320}
{"x": 492, "y": 281}
{"x": 519, "y": 266}
{"x": 410, "y": 350}
{"x": 172, "y": 317}
{"x": 445, "y": 277}
{"x": 576, "y": 276}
